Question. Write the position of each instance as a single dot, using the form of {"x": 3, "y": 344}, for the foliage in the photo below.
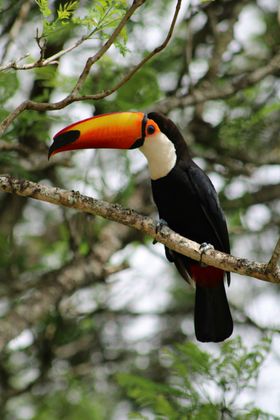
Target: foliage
{"x": 82, "y": 299}
{"x": 76, "y": 403}
{"x": 8, "y": 86}
{"x": 99, "y": 18}
{"x": 201, "y": 385}
{"x": 249, "y": 127}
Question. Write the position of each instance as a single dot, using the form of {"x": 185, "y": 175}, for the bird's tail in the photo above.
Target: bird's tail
{"x": 212, "y": 317}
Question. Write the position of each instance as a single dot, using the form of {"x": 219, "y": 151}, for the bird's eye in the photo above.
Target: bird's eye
{"x": 150, "y": 129}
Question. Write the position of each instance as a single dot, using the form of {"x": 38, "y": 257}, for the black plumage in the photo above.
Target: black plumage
{"x": 186, "y": 199}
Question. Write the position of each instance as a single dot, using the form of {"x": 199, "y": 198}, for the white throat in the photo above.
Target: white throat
{"x": 160, "y": 153}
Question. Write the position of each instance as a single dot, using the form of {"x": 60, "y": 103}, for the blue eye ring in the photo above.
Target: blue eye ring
{"x": 151, "y": 129}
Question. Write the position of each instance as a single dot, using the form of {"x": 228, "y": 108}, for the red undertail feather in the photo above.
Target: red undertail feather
{"x": 212, "y": 318}
{"x": 206, "y": 276}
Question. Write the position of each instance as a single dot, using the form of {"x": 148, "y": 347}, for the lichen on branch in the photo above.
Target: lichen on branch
{"x": 73, "y": 199}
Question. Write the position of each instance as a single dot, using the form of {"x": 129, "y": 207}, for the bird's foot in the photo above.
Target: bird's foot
{"x": 204, "y": 247}
{"x": 159, "y": 226}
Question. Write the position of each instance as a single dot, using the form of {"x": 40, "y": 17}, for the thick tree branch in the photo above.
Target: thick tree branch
{"x": 146, "y": 225}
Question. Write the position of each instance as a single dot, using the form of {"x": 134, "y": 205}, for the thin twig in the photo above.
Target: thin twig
{"x": 92, "y": 60}
{"x": 43, "y": 62}
{"x": 146, "y": 225}
{"x": 197, "y": 96}
{"x": 151, "y": 54}
{"x": 13, "y": 64}
{"x": 47, "y": 61}
{"x": 74, "y": 95}
{"x": 275, "y": 257}
{"x": 148, "y": 57}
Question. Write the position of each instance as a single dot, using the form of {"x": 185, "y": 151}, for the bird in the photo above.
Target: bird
{"x": 184, "y": 195}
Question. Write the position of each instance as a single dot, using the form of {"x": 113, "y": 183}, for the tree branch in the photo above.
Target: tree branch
{"x": 74, "y": 95}
{"x": 138, "y": 66}
{"x": 275, "y": 257}
{"x": 210, "y": 91}
{"x": 92, "y": 60}
{"x": 265, "y": 193}
{"x": 45, "y": 62}
{"x": 128, "y": 217}
{"x": 45, "y": 293}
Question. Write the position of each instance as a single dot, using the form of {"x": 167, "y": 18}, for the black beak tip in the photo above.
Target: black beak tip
{"x": 50, "y": 151}
{"x": 63, "y": 139}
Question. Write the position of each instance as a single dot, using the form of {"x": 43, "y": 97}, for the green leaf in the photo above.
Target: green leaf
{"x": 194, "y": 372}
{"x": 8, "y": 85}
{"x": 44, "y": 7}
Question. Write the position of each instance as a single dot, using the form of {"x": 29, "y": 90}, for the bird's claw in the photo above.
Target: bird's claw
{"x": 159, "y": 226}
{"x": 204, "y": 247}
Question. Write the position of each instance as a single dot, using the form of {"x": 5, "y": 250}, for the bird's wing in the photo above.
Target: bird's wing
{"x": 210, "y": 205}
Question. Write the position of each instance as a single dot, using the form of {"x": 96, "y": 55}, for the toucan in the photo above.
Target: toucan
{"x": 184, "y": 195}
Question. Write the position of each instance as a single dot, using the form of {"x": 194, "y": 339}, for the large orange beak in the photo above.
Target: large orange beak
{"x": 118, "y": 130}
